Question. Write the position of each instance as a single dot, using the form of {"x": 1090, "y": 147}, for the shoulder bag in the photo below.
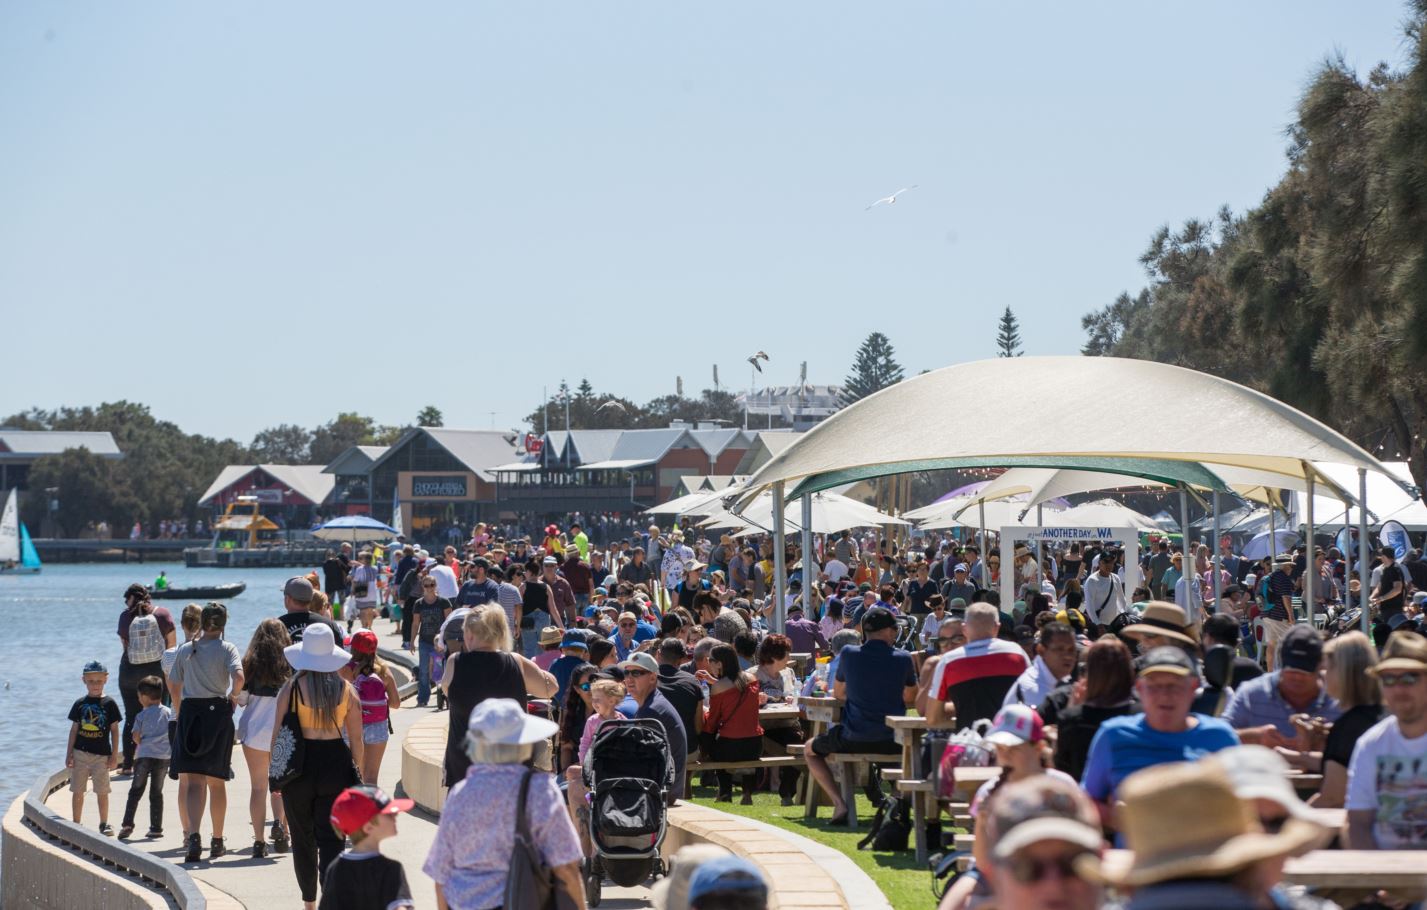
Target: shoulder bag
{"x": 289, "y": 749}
{"x": 531, "y": 883}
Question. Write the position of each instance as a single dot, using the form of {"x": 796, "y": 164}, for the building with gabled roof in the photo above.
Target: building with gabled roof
{"x": 293, "y": 495}
{"x": 442, "y": 479}
{"x": 19, "y": 449}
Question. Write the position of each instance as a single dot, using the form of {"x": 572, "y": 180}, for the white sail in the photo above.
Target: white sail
{"x": 10, "y": 531}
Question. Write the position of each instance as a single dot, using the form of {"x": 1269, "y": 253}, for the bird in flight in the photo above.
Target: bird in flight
{"x": 892, "y": 199}
{"x": 612, "y": 404}
{"x": 755, "y": 358}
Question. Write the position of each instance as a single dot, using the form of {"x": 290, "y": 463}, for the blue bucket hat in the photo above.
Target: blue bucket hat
{"x": 726, "y": 873}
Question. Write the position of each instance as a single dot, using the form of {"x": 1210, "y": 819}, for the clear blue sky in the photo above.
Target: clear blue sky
{"x": 251, "y": 214}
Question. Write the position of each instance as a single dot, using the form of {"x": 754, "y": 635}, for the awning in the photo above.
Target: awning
{"x": 618, "y": 464}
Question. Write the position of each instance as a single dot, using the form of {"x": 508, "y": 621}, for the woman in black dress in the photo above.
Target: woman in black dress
{"x": 486, "y": 669}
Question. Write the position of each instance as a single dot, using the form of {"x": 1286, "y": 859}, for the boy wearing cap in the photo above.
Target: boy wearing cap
{"x": 361, "y": 878}
{"x": 574, "y": 650}
{"x": 93, "y": 749}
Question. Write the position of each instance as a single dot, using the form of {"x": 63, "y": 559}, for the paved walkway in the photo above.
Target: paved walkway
{"x": 269, "y": 883}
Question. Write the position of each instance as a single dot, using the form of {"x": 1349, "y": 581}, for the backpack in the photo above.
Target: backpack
{"x": 890, "y": 826}
{"x": 371, "y": 692}
{"x": 146, "y": 641}
{"x": 943, "y": 753}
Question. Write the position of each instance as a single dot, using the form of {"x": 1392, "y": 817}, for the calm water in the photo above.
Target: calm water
{"x": 67, "y": 615}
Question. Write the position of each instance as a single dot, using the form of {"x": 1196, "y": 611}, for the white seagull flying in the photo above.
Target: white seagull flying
{"x": 892, "y": 199}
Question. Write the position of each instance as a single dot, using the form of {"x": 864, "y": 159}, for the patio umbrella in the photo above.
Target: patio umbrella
{"x": 1258, "y": 545}
{"x": 832, "y": 512}
{"x": 354, "y": 528}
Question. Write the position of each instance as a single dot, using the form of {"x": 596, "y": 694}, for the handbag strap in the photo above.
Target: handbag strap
{"x": 736, "y": 705}
{"x": 522, "y": 824}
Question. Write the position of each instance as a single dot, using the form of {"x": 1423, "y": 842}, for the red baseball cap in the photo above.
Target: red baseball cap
{"x": 364, "y": 642}
{"x": 355, "y": 806}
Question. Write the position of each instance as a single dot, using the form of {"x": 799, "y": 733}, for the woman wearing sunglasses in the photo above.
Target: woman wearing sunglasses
{"x": 573, "y": 714}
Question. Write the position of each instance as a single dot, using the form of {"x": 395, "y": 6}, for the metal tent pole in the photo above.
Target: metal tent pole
{"x": 1309, "y": 570}
{"x": 1040, "y": 553}
{"x": 1216, "y": 560}
{"x": 1363, "y": 574}
{"x": 780, "y": 560}
{"x": 810, "y": 565}
{"x": 985, "y": 548}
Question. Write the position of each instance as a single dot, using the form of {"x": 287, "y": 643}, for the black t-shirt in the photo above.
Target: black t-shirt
{"x": 1391, "y": 575}
{"x": 334, "y": 575}
{"x": 917, "y": 594}
{"x": 1417, "y": 571}
{"x": 364, "y": 881}
{"x": 1245, "y": 669}
{"x": 685, "y": 694}
{"x": 432, "y": 615}
{"x": 95, "y": 716}
{"x": 1076, "y": 727}
{"x": 1353, "y": 723}
{"x": 297, "y": 622}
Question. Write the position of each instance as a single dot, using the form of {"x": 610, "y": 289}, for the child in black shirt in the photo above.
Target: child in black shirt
{"x": 361, "y": 878}
{"x": 93, "y": 749}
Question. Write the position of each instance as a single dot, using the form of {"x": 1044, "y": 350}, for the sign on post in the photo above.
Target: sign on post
{"x": 1128, "y": 538}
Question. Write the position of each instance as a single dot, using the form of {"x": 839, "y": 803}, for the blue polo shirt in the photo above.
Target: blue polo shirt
{"x": 1124, "y": 745}
{"x": 875, "y": 674}
{"x": 1257, "y": 702}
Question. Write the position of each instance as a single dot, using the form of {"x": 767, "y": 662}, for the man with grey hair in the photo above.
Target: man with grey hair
{"x": 971, "y": 682}
{"x": 699, "y": 655}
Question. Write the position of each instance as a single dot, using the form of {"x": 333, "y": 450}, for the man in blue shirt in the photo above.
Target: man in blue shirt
{"x": 480, "y": 589}
{"x": 624, "y": 636}
{"x": 1261, "y": 707}
{"x": 641, "y": 680}
{"x": 1165, "y": 732}
{"x": 873, "y": 680}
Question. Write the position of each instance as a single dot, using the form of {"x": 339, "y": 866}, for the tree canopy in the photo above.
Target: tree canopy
{"x": 1008, "y": 335}
{"x": 874, "y": 368}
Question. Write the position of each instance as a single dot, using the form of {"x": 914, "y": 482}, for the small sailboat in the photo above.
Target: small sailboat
{"x": 17, "y": 551}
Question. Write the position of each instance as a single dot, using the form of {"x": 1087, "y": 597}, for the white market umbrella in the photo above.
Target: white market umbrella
{"x": 702, "y": 503}
{"x": 1105, "y": 513}
{"x": 354, "y": 528}
{"x": 999, "y": 513}
{"x": 1258, "y": 545}
{"x": 831, "y": 512}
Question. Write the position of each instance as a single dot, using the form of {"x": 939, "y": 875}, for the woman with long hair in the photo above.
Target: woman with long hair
{"x": 327, "y": 708}
{"x": 378, "y": 696}
{"x": 143, "y": 656}
{"x": 486, "y": 669}
{"x": 573, "y": 714}
{"x": 731, "y": 729}
{"x": 776, "y": 682}
{"x": 265, "y": 672}
{"x": 1105, "y": 690}
{"x": 1348, "y": 662}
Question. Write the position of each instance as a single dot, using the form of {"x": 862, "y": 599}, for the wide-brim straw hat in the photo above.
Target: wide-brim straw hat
{"x": 317, "y": 652}
{"x": 1161, "y": 617}
{"x": 1183, "y": 820}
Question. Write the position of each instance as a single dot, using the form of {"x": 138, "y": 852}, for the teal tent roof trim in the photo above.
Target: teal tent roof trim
{"x": 1156, "y": 469}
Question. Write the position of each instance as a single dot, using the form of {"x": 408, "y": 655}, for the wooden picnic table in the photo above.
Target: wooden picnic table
{"x": 1345, "y": 876}
{"x": 779, "y": 714}
{"x": 821, "y": 713}
{"x": 908, "y": 730}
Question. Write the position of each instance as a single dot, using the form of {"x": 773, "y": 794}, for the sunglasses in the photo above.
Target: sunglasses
{"x": 635, "y": 674}
{"x": 626, "y": 625}
{"x": 584, "y": 687}
{"x": 1030, "y": 871}
{"x": 1388, "y": 680}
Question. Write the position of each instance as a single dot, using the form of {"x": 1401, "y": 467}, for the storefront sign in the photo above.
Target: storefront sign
{"x": 452, "y": 487}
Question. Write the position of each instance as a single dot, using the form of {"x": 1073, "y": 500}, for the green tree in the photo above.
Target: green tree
{"x": 1008, "y": 336}
{"x": 873, "y": 369}
{"x": 285, "y": 443}
{"x": 430, "y": 416}
{"x": 347, "y": 429}
{"x": 86, "y": 487}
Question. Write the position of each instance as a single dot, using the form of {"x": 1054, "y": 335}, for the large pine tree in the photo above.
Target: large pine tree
{"x": 874, "y": 369}
{"x": 1008, "y": 336}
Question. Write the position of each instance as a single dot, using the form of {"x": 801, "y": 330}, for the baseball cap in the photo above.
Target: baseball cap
{"x": 299, "y": 589}
{"x": 1302, "y": 649}
{"x": 877, "y": 619}
{"x": 726, "y": 873}
{"x": 355, "y": 806}
{"x": 550, "y": 561}
{"x": 1167, "y": 659}
{"x": 574, "y": 640}
{"x": 959, "y": 567}
{"x": 639, "y": 661}
{"x": 1258, "y": 772}
{"x": 364, "y": 642}
{"x": 1016, "y": 724}
{"x": 956, "y": 603}
{"x": 864, "y": 587}
{"x": 94, "y": 666}
{"x": 1042, "y": 808}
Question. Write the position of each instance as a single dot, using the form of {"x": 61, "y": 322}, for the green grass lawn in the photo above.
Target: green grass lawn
{"x": 905, "y": 883}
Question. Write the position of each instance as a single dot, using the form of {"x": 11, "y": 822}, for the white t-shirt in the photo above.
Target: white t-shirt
{"x": 836, "y": 570}
{"x": 1388, "y": 774}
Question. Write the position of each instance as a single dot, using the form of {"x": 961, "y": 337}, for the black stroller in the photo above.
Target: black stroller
{"x": 629, "y": 771}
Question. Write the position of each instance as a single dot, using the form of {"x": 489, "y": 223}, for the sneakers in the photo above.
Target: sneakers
{"x": 125, "y": 831}
{"x": 195, "y": 849}
{"x": 216, "y": 848}
{"x": 260, "y": 849}
{"x": 105, "y": 830}
{"x": 279, "y": 838}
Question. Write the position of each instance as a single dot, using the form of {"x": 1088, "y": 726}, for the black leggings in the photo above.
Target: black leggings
{"x": 327, "y": 771}
{"x": 724, "y": 748}
{"x": 407, "y": 605}
{"x": 129, "y": 676}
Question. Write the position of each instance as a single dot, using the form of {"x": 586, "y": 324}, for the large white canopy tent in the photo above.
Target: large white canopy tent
{"x": 831, "y": 512}
{"x": 869, "y": 438}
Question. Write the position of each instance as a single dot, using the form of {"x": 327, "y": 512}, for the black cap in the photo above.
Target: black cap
{"x": 1302, "y": 649}
{"x": 1167, "y": 660}
{"x": 877, "y": 619}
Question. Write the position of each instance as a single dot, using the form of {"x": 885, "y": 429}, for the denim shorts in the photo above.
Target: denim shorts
{"x": 375, "y": 734}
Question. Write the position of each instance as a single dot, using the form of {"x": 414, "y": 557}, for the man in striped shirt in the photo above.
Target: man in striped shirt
{"x": 1278, "y": 610}
{"x": 971, "y": 682}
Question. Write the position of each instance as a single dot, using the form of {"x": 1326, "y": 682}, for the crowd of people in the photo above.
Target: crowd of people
{"x": 1104, "y": 707}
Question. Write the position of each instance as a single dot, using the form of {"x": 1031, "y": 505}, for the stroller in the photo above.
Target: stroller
{"x": 630, "y": 771}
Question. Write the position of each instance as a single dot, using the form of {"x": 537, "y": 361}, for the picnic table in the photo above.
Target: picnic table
{"x": 1344, "y": 876}
{"x": 779, "y": 714}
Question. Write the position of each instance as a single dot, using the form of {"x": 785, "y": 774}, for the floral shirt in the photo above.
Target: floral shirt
{"x": 470, "y": 857}
{"x": 672, "y": 566}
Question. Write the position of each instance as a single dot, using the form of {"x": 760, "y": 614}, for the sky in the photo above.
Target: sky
{"x": 261, "y": 213}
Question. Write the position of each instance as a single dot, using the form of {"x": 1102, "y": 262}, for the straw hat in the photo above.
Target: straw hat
{"x": 1213, "y": 833}
{"x": 1161, "y": 617}
{"x": 1405, "y": 651}
{"x": 317, "y": 652}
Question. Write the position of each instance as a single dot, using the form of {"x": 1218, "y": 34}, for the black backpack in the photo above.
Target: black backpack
{"x": 891, "y": 826}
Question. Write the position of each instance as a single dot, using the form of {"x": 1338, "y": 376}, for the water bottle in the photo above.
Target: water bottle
{"x": 820, "y": 680}
{"x": 705, "y": 687}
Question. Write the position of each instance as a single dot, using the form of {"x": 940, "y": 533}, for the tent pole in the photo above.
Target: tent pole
{"x": 1216, "y": 561}
{"x": 985, "y": 548}
{"x": 1309, "y": 569}
{"x": 1363, "y": 574}
{"x": 810, "y": 565}
{"x": 1040, "y": 554}
{"x": 780, "y": 559}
